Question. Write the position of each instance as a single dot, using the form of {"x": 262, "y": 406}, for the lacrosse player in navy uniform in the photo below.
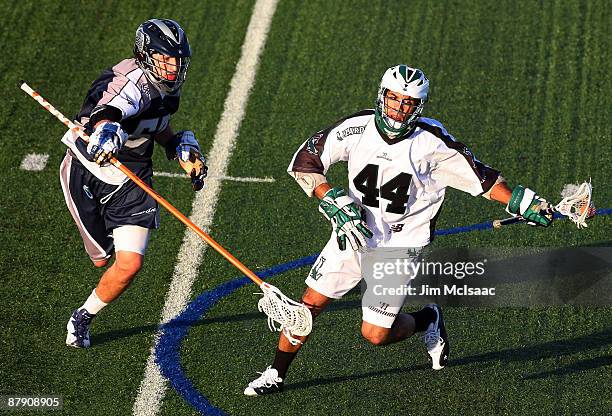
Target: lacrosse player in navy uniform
{"x": 399, "y": 165}
{"x": 127, "y": 108}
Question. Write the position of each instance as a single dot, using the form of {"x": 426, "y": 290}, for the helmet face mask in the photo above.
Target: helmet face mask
{"x": 163, "y": 53}
{"x": 401, "y": 97}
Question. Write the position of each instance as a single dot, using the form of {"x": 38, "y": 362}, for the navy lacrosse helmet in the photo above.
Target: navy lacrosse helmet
{"x": 163, "y": 53}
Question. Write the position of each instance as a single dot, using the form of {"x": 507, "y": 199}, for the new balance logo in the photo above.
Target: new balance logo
{"x": 396, "y": 228}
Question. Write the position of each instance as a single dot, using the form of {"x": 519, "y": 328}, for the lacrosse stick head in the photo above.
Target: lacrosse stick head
{"x": 576, "y": 203}
{"x": 284, "y": 314}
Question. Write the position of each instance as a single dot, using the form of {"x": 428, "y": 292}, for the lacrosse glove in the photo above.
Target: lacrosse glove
{"x": 525, "y": 202}
{"x": 105, "y": 142}
{"x": 186, "y": 149}
{"x": 347, "y": 222}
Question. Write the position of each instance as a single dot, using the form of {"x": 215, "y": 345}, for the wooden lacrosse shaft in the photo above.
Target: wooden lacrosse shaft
{"x": 514, "y": 220}
{"x": 507, "y": 221}
{"x": 78, "y": 130}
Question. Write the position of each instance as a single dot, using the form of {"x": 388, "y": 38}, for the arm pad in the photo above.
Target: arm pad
{"x": 308, "y": 181}
{"x": 104, "y": 112}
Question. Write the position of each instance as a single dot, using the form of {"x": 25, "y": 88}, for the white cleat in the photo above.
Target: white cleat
{"x": 436, "y": 340}
{"x": 269, "y": 382}
{"x": 78, "y": 329}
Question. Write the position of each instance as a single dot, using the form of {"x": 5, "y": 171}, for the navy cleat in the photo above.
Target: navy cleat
{"x": 436, "y": 340}
{"x": 269, "y": 382}
{"x": 78, "y": 329}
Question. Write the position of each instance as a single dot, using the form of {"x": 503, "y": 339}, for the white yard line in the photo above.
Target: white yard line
{"x": 218, "y": 177}
{"x": 153, "y": 386}
{"x": 34, "y": 161}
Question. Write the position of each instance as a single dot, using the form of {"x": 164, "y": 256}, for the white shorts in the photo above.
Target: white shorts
{"x": 336, "y": 272}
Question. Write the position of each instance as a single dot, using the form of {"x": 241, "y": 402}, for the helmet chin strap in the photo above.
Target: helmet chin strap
{"x": 404, "y": 128}
{"x": 410, "y": 126}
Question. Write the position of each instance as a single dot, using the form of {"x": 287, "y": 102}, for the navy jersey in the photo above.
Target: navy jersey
{"x": 139, "y": 107}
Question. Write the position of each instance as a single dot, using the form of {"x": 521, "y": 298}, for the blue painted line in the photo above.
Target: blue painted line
{"x": 168, "y": 349}
{"x": 489, "y": 224}
{"x": 465, "y": 229}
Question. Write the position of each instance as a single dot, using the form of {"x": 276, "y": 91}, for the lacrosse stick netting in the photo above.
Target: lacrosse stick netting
{"x": 577, "y": 204}
{"x": 284, "y": 314}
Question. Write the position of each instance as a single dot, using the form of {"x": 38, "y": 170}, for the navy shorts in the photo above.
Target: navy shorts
{"x": 98, "y": 207}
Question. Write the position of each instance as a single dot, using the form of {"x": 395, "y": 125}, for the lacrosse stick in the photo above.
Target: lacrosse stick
{"x": 576, "y": 205}
{"x": 284, "y": 314}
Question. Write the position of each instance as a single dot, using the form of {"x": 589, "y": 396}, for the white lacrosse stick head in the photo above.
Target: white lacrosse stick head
{"x": 576, "y": 203}
{"x": 284, "y": 314}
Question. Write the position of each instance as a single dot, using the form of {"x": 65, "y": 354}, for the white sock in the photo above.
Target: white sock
{"x": 93, "y": 304}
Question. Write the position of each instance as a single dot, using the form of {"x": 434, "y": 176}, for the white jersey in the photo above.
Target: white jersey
{"x": 399, "y": 183}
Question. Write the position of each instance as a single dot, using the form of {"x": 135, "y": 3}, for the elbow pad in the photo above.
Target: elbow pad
{"x": 104, "y": 112}
{"x": 308, "y": 181}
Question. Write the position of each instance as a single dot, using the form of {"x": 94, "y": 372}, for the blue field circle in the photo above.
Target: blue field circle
{"x": 172, "y": 333}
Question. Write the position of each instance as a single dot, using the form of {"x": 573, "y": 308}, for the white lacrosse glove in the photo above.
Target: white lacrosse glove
{"x": 105, "y": 142}
{"x": 186, "y": 149}
{"x": 343, "y": 213}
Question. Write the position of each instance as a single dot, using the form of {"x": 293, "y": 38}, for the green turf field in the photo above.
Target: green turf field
{"x": 525, "y": 84}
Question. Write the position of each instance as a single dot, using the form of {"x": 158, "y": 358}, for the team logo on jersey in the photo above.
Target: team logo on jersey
{"x": 315, "y": 274}
{"x": 312, "y": 143}
{"x": 384, "y": 156}
{"x": 341, "y": 135}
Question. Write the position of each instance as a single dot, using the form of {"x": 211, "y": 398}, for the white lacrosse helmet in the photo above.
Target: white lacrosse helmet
{"x": 401, "y": 97}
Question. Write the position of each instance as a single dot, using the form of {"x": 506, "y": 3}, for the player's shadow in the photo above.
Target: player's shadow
{"x": 599, "y": 244}
{"x": 577, "y": 367}
{"x": 109, "y": 336}
{"x": 551, "y": 349}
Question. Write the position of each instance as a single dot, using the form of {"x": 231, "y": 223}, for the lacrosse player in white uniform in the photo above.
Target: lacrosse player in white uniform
{"x": 127, "y": 108}
{"x": 399, "y": 165}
